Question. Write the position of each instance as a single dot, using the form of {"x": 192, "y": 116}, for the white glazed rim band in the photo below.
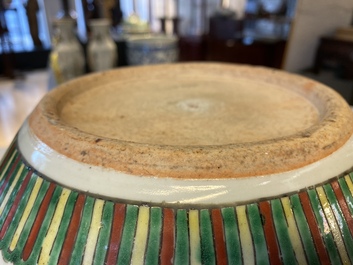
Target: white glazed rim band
{"x": 109, "y": 183}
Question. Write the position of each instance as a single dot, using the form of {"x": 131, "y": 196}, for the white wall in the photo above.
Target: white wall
{"x": 314, "y": 19}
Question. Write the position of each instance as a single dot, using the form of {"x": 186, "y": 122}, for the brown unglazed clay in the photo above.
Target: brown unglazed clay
{"x": 193, "y": 121}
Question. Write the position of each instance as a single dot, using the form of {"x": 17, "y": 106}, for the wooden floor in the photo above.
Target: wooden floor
{"x": 17, "y": 99}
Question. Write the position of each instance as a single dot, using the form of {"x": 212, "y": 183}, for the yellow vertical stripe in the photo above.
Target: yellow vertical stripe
{"x": 333, "y": 225}
{"x": 293, "y": 231}
{"x": 53, "y": 228}
{"x": 194, "y": 230}
{"x": 140, "y": 243}
{"x": 8, "y": 194}
{"x": 26, "y": 213}
{"x": 93, "y": 232}
{"x": 7, "y": 165}
{"x": 349, "y": 183}
{"x": 245, "y": 236}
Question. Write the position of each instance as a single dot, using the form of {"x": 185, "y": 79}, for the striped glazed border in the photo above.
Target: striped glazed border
{"x": 43, "y": 223}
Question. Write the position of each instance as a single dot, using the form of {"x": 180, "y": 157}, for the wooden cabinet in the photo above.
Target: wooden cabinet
{"x": 260, "y": 52}
{"x": 337, "y": 53}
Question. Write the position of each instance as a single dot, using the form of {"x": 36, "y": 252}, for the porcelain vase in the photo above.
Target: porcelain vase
{"x": 67, "y": 59}
{"x": 101, "y": 50}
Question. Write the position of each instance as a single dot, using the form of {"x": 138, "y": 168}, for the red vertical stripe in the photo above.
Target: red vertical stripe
{"x": 219, "y": 240}
{"x": 270, "y": 233}
{"x": 72, "y": 231}
{"x": 14, "y": 206}
{"x": 38, "y": 223}
{"x": 168, "y": 237}
{"x": 115, "y": 238}
{"x": 3, "y": 186}
{"x": 343, "y": 204}
{"x": 314, "y": 228}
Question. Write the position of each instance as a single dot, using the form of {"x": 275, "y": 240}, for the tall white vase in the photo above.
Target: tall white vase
{"x": 101, "y": 50}
{"x": 67, "y": 59}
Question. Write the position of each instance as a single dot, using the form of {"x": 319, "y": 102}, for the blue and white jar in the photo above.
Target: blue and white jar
{"x": 152, "y": 50}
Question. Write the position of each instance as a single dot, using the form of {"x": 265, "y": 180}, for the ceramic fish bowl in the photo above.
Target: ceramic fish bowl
{"x": 181, "y": 164}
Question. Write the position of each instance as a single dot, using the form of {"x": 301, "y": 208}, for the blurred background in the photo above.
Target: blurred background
{"x": 278, "y": 33}
{"x": 38, "y": 38}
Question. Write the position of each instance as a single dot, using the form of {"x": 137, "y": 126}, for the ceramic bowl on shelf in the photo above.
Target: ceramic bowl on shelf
{"x": 181, "y": 164}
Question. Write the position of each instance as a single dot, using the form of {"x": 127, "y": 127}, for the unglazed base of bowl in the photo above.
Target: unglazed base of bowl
{"x": 194, "y": 121}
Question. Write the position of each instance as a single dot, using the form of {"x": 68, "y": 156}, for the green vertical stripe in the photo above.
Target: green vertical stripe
{"x": 154, "y": 238}
{"x": 82, "y": 234}
{"x": 11, "y": 179}
{"x": 8, "y": 167}
{"x": 285, "y": 244}
{"x": 61, "y": 235}
{"x": 12, "y": 197}
{"x": 104, "y": 233}
{"x": 5, "y": 242}
{"x": 128, "y": 235}
{"x": 347, "y": 194}
{"x": 182, "y": 239}
{"x": 324, "y": 228}
{"x": 207, "y": 247}
{"x": 44, "y": 227}
{"x": 16, "y": 254}
{"x": 304, "y": 230}
{"x": 346, "y": 235}
{"x": 256, "y": 228}
{"x": 230, "y": 224}
{"x": 7, "y": 155}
